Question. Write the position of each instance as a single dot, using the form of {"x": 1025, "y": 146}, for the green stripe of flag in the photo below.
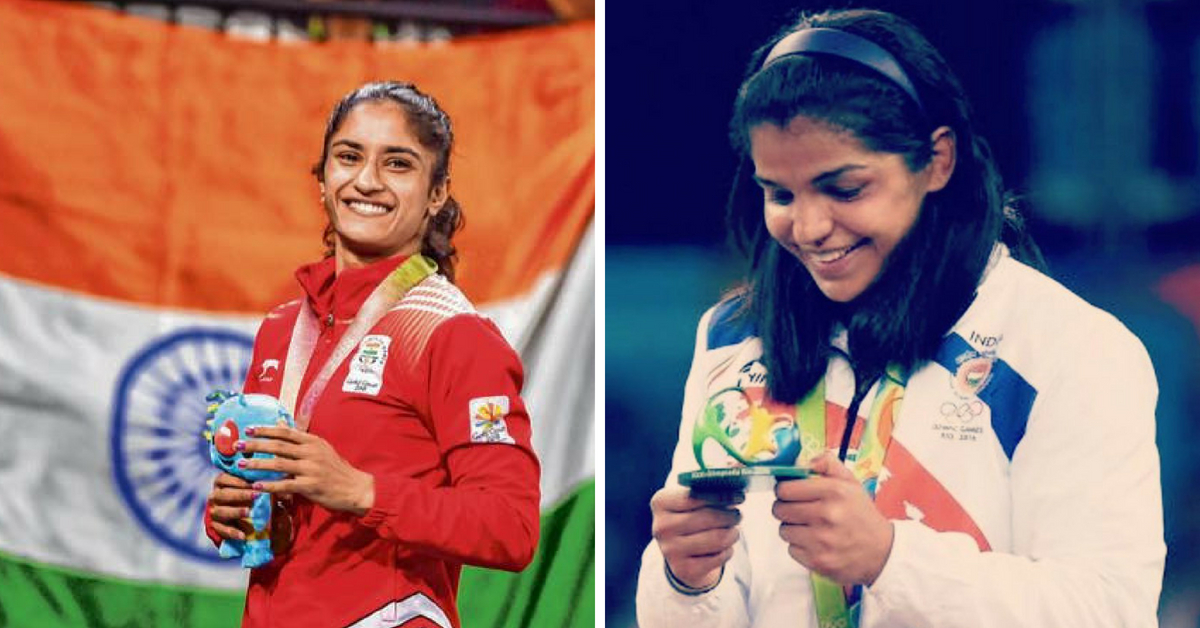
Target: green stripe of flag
{"x": 557, "y": 590}
{"x": 34, "y": 594}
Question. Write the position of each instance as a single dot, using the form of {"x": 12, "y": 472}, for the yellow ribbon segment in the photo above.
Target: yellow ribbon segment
{"x": 413, "y": 271}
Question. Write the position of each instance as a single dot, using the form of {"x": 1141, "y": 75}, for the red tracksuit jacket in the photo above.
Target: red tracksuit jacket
{"x": 442, "y": 427}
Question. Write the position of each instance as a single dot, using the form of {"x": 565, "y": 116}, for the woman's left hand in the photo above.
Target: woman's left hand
{"x": 317, "y": 471}
{"x": 831, "y": 525}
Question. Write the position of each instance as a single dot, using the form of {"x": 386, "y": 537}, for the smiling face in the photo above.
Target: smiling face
{"x": 836, "y": 205}
{"x": 377, "y": 185}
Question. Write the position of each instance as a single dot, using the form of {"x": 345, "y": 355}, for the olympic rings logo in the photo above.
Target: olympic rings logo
{"x": 965, "y": 411}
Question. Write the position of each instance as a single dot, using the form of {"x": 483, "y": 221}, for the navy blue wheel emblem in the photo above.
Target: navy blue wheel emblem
{"x": 159, "y": 455}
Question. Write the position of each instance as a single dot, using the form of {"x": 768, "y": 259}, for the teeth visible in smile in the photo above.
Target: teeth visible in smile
{"x": 369, "y": 209}
{"x": 826, "y": 257}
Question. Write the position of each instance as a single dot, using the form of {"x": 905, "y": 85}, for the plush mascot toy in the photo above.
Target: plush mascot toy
{"x": 229, "y": 414}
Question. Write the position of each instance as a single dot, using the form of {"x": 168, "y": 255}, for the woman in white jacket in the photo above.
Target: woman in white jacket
{"x": 981, "y": 439}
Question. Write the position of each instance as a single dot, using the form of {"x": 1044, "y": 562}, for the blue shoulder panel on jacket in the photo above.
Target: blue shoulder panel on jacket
{"x": 728, "y": 325}
{"x": 1005, "y": 392}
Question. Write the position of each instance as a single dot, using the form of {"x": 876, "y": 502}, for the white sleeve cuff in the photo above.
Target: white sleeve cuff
{"x": 920, "y": 569}
{"x": 661, "y": 605}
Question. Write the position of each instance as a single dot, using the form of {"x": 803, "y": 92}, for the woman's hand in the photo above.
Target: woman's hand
{"x": 831, "y": 525}
{"x": 317, "y": 471}
{"x": 228, "y": 505}
{"x": 696, "y": 535}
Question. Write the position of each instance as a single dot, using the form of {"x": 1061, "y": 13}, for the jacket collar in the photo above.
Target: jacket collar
{"x": 342, "y": 294}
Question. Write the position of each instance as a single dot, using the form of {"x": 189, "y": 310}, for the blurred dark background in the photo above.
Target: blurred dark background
{"x": 1092, "y": 108}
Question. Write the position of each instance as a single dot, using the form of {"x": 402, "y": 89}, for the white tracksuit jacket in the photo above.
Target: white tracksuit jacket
{"x": 1032, "y": 500}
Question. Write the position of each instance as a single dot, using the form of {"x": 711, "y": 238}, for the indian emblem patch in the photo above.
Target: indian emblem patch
{"x": 366, "y": 367}
{"x": 974, "y": 371}
{"x": 487, "y": 420}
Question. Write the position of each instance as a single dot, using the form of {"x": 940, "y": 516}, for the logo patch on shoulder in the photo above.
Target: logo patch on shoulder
{"x": 366, "y": 367}
{"x": 487, "y": 420}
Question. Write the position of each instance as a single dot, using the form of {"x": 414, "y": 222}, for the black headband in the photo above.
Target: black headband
{"x": 830, "y": 41}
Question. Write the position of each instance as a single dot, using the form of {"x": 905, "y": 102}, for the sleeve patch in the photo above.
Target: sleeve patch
{"x": 487, "y": 420}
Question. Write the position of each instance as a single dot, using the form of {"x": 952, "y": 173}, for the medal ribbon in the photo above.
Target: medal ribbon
{"x": 384, "y": 297}
{"x": 838, "y": 607}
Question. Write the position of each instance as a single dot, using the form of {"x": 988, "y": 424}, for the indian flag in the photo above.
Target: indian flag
{"x": 154, "y": 200}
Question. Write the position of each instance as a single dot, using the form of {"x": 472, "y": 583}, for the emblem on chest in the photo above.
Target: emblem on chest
{"x": 973, "y": 373}
{"x": 268, "y": 370}
{"x": 959, "y": 413}
{"x": 366, "y": 366}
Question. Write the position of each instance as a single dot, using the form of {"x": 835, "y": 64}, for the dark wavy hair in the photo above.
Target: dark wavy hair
{"x": 930, "y": 278}
{"x": 435, "y": 133}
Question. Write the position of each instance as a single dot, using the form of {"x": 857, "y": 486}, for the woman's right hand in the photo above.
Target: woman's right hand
{"x": 229, "y": 505}
{"x": 695, "y": 534}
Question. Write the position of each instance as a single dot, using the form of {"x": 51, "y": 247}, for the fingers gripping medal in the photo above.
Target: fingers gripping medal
{"x": 742, "y": 443}
{"x": 229, "y": 415}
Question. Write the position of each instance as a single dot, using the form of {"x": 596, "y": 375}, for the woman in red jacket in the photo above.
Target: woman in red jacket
{"x": 411, "y": 455}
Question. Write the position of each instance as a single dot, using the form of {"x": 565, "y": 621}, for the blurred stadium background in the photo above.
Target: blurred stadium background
{"x": 1092, "y": 108}
{"x": 157, "y": 197}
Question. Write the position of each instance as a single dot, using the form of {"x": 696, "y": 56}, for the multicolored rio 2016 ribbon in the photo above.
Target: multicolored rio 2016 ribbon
{"x": 839, "y": 607}
{"x": 759, "y": 434}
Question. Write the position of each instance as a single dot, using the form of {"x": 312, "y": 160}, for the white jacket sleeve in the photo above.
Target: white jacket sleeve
{"x": 1088, "y": 547}
{"x": 659, "y": 605}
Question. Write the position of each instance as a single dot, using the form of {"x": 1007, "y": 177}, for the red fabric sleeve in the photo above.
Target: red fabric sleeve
{"x": 488, "y": 515}
{"x": 208, "y": 527}
{"x": 248, "y": 386}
